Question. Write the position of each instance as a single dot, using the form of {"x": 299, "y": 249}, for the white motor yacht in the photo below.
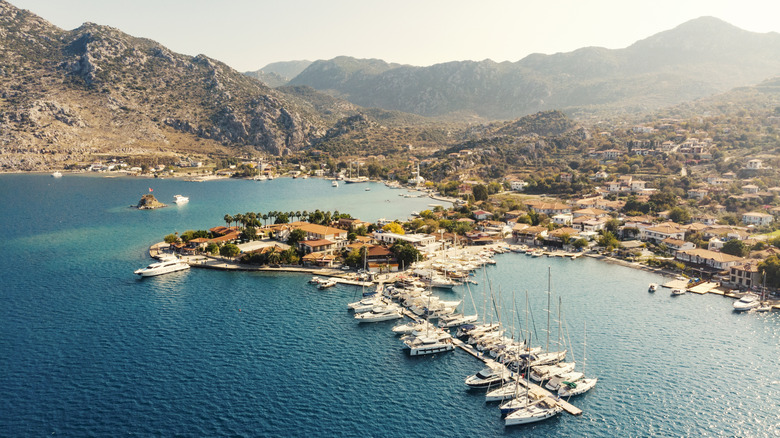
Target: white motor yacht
{"x": 179, "y": 199}
{"x": 334, "y": 183}
{"x": 429, "y": 344}
{"x": 679, "y": 291}
{"x": 164, "y": 267}
{"x": 57, "y": 174}
{"x": 747, "y": 302}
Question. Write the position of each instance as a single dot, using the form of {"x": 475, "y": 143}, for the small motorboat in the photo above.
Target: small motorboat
{"x": 678, "y": 291}
{"x": 652, "y": 288}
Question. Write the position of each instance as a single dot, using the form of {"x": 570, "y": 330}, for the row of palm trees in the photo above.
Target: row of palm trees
{"x": 252, "y": 219}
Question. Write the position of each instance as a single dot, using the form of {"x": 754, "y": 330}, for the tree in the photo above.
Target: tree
{"x": 612, "y": 226}
{"x": 735, "y": 247}
{"x": 282, "y": 218}
{"x": 249, "y": 233}
{"x": 480, "y": 192}
{"x": 405, "y": 252}
{"x": 771, "y": 268}
{"x": 229, "y": 250}
{"x": 609, "y": 241}
{"x": 171, "y": 238}
{"x": 679, "y": 215}
{"x": 228, "y": 219}
{"x": 394, "y": 227}
{"x": 296, "y": 236}
{"x": 212, "y": 248}
{"x": 580, "y": 243}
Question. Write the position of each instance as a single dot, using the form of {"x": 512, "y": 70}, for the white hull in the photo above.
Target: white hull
{"x": 747, "y": 302}
{"x": 583, "y": 386}
{"x": 162, "y": 268}
{"x": 532, "y": 413}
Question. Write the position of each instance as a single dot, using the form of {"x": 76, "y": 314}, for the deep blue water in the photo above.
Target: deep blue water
{"x": 87, "y": 349}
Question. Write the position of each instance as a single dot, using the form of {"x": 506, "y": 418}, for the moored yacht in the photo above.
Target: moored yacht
{"x": 652, "y": 288}
{"x": 432, "y": 343}
{"x": 179, "y": 199}
{"x": 490, "y": 376}
{"x": 533, "y": 412}
{"x": 162, "y": 267}
{"x": 57, "y": 174}
{"x": 747, "y": 302}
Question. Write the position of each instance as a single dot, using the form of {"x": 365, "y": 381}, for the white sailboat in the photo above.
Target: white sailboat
{"x": 579, "y": 385}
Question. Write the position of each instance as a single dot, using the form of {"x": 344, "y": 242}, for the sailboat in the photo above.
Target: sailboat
{"x": 578, "y": 385}
{"x": 533, "y": 406}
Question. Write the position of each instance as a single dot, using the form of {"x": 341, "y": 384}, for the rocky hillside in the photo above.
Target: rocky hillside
{"x": 696, "y": 59}
{"x": 68, "y": 95}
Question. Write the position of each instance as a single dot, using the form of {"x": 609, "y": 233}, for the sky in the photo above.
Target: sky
{"x": 249, "y": 34}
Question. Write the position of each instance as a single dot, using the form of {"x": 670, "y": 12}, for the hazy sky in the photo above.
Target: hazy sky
{"x": 248, "y": 34}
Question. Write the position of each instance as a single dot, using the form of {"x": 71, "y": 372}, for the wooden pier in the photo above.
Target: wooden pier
{"x": 568, "y": 407}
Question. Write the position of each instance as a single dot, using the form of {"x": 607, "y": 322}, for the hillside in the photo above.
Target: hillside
{"x": 278, "y": 74}
{"x": 67, "y": 95}
{"x": 696, "y": 59}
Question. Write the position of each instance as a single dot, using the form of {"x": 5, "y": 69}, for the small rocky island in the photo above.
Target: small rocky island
{"x": 149, "y": 202}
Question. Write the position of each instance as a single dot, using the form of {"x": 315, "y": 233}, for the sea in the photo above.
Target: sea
{"x": 88, "y": 349}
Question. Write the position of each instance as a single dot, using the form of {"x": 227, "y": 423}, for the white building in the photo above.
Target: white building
{"x": 756, "y": 218}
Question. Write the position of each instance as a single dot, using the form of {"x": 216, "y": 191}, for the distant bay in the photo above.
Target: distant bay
{"x": 88, "y": 349}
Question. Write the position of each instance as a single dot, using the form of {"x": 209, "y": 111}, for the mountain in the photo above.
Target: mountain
{"x": 94, "y": 89}
{"x": 279, "y": 73}
{"x": 701, "y": 57}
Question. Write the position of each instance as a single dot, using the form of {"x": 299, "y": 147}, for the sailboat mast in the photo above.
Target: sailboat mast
{"x": 549, "y": 295}
{"x": 585, "y": 348}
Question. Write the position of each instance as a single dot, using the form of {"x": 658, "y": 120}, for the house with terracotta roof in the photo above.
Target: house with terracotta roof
{"x": 658, "y": 233}
{"x": 757, "y": 218}
{"x": 706, "y": 260}
{"x": 319, "y": 259}
{"x": 529, "y": 235}
{"x": 744, "y": 276}
{"x": 677, "y": 244}
{"x": 316, "y": 245}
{"x": 482, "y": 215}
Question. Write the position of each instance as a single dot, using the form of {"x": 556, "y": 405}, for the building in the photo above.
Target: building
{"x": 323, "y": 246}
{"x": 660, "y": 232}
{"x": 562, "y": 219}
{"x": 418, "y": 240}
{"x": 744, "y": 276}
{"x": 482, "y": 215}
{"x": 756, "y": 218}
{"x": 707, "y": 260}
{"x": 754, "y": 164}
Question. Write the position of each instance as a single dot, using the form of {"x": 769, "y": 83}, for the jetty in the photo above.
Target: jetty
{"x": 554, "y": 399}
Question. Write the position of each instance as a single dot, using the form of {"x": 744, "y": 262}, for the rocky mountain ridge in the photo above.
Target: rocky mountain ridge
{"x": 95, "y": 89}
{"x": 702, "y": 57}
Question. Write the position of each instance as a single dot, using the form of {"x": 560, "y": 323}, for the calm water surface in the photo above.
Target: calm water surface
{"x": 87, "y": 349}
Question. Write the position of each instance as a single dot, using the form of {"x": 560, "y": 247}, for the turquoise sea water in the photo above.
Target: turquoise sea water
{"x": 87, "y": 349}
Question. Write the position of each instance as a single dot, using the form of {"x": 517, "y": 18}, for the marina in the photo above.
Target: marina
{"x": 201, "y": 352}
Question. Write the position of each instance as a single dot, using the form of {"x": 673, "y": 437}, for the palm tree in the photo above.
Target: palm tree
{"x": 305, "y": 215}
{"x": 228, "y": 219}
{"x": 274, "y": 257}
{"x": 298, "y": 215}
{"x": 238, "y": 218}
{"x": 265, "y": 219}
{"x": 251, "y": 218}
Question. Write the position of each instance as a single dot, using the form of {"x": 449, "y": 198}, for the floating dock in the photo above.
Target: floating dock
{"x": 568, "y": 407}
